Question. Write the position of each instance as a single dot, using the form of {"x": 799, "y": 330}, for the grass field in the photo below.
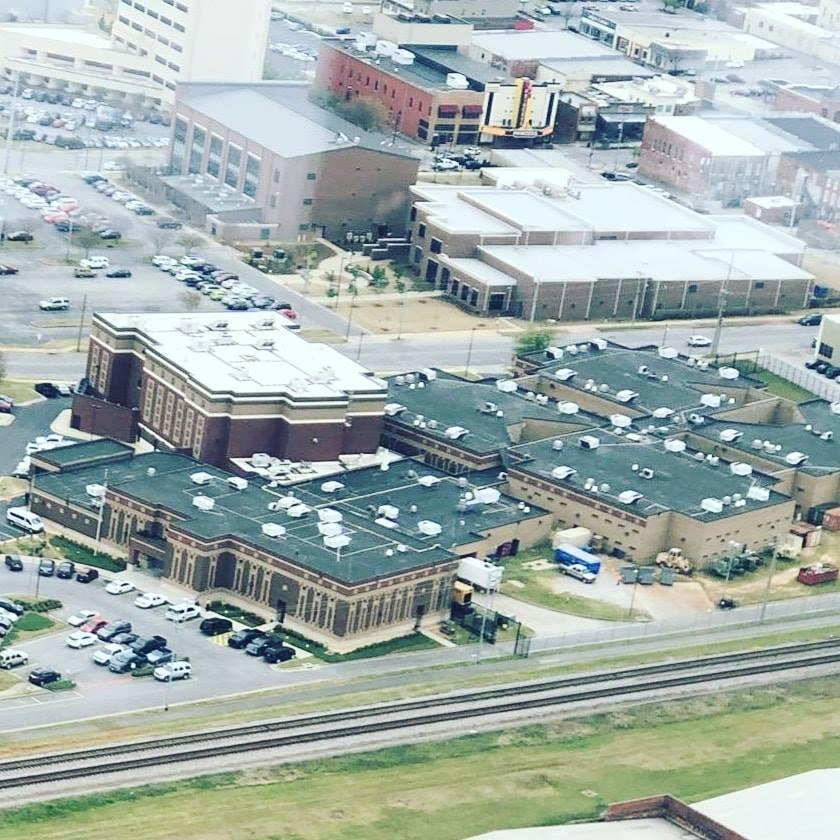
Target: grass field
{"x": 536, "y": 775}
{"x": 782, "y": 387}
{"x": 536, "y": 589}
{"x": 19, "y": 391}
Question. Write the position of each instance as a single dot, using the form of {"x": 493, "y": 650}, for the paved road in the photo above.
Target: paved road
{"x": 30, "y": 421}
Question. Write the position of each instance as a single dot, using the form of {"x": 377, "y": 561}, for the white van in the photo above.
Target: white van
{"x": 23, "y": 518}
{"x": 173, "y": 671}
{"x": 12, "y": 657}
{"x": 183, "y": 612}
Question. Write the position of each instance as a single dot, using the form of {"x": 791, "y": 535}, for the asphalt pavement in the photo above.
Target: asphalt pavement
{"x": 30, "y": 421}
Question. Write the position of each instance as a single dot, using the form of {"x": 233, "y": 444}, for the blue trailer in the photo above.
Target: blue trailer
{"x": 570, "y": 555}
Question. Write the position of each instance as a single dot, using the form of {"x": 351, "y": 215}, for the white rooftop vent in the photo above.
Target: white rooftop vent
{"x": 563, "y": 473}
{"x": 589, "y": 442}
{"x": 729, "y": 373}
{"x": 646, "y": 472}
{"x": 337, "y": 541}
{"x": 668, "y": 352}
{"x": 662, "y": 413}
{"x": 568, "y": 407}
{"x": 508, "y": 386}
{"x": 710, "y": 400}
{"x": 427, "y": 374}
{"x": 674, "y": 445}
{"x": 730, "y": 435}
{"x": 795, "y": 458}
{"x": 757, "y": 443}
{"x": 572, "y": 349}
{"x": 621, "y": 421}
{"x": 758, "y": 493}
{"x": 628, "y": 497}
{"x": 565, "y": 374}
{"x": 329, "y": 515}
{"x": 203, "y": 502}
{"x": 329, "y": 529}
{"x": 598, "y": 343}
{"x": 456, "y": 432}
{"x": 626, "y": 395}
{"x": 260, "y": 459}
{"x": 457, "y": 81}
{"x": 237, "y": 483}
{"x": 428, "y": 480}
{"x": 554, "y": 353}
{"x": 273, "y": 530}
{"x": 286, "y": 502}
{"x": 218, "y": 325}
{"x": 95, "y": 491}
{"x": 429, "y": 528}
{"x": 484, "y": 496}
{"x": 835, "y": 408}
{"x": 557, "y": 445}
{"x": 201, "y": 478}
{"x": 296, "y": 511}
{"x": 331, "y": 486}
{"x": 696, "y": 419}
{"x": 388, "y": 511}
{"x": 711, "y": 505}
{"x": 384, "y": 522}
{"x": 740, "y": 468}
{"x": 264, "y": 324}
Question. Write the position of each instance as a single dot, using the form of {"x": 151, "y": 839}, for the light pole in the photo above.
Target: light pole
{"x": 469, "y": 351}
{"x": 167, "y": 685}
{"x": 359, "y": 348}
{"x": 633, "y": 593}
{"x": 724, "y": 291}
{"x": 484, "y": 624}
{"x": 770, "y": 573}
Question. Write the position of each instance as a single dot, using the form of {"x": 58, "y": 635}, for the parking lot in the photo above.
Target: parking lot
{"x": 217, "y": 669}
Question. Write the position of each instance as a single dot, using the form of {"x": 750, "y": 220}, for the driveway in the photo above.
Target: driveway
{"x": 30, "y": 421}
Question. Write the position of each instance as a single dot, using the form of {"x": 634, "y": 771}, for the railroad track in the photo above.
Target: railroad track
{"x": 432, "y": 710}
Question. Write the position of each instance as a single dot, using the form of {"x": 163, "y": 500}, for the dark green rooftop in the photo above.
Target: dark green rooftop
{"x": 89, "y": 452}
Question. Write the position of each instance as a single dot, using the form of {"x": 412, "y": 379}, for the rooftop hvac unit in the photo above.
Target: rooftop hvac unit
{"x": 795, "y": 458}
{"x": 273, "y": 530}
{"x": 286, "y": 502}
{"x": 264, "y": 324}
{"x": 626, "y": 395}
{"x": 432, "y": 424}
{"x": 384, "y": 522}
{"x": 401, "y": 56}
{"x": 507, "y": 386}
{"x": 237, "y": 483}
{"x": 428, "y": 480}
{"x": 758, "y": 493}
{"x": 203, "y": 502}
{"x": 394, "y": 409}
{"x": 662, "y": 413}
{"x": 260, "y": 459}
{"x": 331, "y": 486}
{"x": 201, "y": 478}
{"x": 337, "y": 541}
{"x": 329, "y": 529}
{"x": 565, "y": 374}
{"x": 835, "y": 408}
{"x": 628, "y": 497}
{"x": 562, "y": 473}
{"x": 740, "y": 468}
{"x": 711, "y": 505}
{"x": 151, "y": 472}
{"x": 457, "y": 81}
{"x": 674, "y": 445}
{"x": 710, "y": 400}
{"x": 566, "y": 407}
{"x": 728, "y": 373}
{"x": 296, "y": 511}
{"x": 488, "y": 407}
{"x": 388, "y": 511}
{"x": 668, "y": 353}
{"x": 557, "y": 445}
{"x": 554, "y": 353}
{"x": 757, "y": 443}
{"x": 589, "y": 442}
{"x": 827, "y": 436}
{"x": 646, "y": 472}
{"x": 265, "y": 344}
{"x": 429, "y": 528}
{"x": 482, "y": 496}
{"x": 621, "y": 421}
{"x": 95, "y": 491}
{"x": 218, "y": 325}
{"x": 329, "y": 515}
{"x": 597, "y": 344}
{"x": 730, "y": 435}
{"x": 696, "y": 419}
{"x": 456, "y": 432}
{"x": 384, "y": 47}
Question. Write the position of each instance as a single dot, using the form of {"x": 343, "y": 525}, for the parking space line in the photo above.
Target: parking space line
{"x": 222, "y": 639}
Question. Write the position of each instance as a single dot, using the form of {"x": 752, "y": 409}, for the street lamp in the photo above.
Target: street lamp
{"x": 724, "y": 291}
{"x": 469, "y": 351}
{"x": 770, "y": 574}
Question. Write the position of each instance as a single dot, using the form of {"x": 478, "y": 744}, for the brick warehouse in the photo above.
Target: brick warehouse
{"x": 223, "y": 387}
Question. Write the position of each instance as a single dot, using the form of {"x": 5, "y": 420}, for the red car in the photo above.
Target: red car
{"x": 94, "y": 625}
{"x": 5, "y": 407}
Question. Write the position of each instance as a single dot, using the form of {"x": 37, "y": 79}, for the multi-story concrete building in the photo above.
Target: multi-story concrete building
{"x": 234, "y": 172}
{"x": 224, "y": 387}
{"x": 454, "y": 9}
{"x": 598, "y": 252}
{"x": 369, "y": 551}
{"x": 794, "y": 26}
{"x": 153, "y": 46}
{"x": 812, "y": 180}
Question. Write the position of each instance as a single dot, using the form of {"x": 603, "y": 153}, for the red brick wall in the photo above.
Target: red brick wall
{"x": 790, "y": 100}
{"x": 673, "y": 810}
{"x": 104, "y": 418}
{"x": 672, "y": 159}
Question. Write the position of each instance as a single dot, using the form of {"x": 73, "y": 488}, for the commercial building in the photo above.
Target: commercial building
{"x": 668, "y": 95}
{"x": 152, "y": 47}
{"x": 814, "y": 99}
{"x": 368, "y": 551}
{"x": 454, "y": 9}
{"x": 595, "y": 117}
{"x": 234, "y": 172}
{"x": 598, "y": 251}
{"x": 225, "y": 387}
{"x": 812, "y": 179}
{"x": 579, "y": 74}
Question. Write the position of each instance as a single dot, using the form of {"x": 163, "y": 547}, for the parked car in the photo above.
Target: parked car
{"x": 94, "y": 625}
{"x": 46, "y": 568}
{"x": 699, "y": 341}
{"x": 66, "y": 570}
{"x": 215, "y": 626}
{"x": 11, "y": 606}
{"x": 147, "y": 600}
{"x": 20, "y": 236}
{"x": 727, "y": 604}
{"x": 54, "y": 304}
{"x": 81, "y": 639}
{"x": 278, "y": 652}
{"x": 173, "y": 671}
{"x": 8, "y": 269}
{"x": 168, "y": 224}
{"x": 243, "y": 638}
{"x": 126, "y": 660}
{"x": 160, "y": 657}
{"x": 95, "y": 262}
{"x": 113, "y": 628}
{"x": 118, "y": 272}
{"x": 110, "y": 233}
{"x": 125, "y": 639}
{"x": 80, "y": 273}
{"x": 13, "y": 658}
{"x": 103, "y": 654}
{"x": 44, "y": 676}
{"x": 182, "y": 612}
{"x": 5, "y": 406}
{"x": 87, "y": 575}
{"x": 81, "y": 617}
{"x": 147, "y": 645}
{"x": 13, "y": 564}
{"x": 258, "y": 645}
{"x": 814, "y": 319}
{"x": 119, "y": 587}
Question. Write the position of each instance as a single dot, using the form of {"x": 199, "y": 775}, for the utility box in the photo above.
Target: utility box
{"x": 578, "y": 537}
{"x": 480, "y": 573}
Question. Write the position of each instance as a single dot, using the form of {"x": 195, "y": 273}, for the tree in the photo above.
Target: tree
{"x": 190, "y": 300}
{"x": 532, "y": 341}
{"x": 160, "y": 239}
{"x": 87, "y": 239}
{"x": 671, "y": 4}
{"x": 188, "y": 241}
{"x": 379, "y": 278}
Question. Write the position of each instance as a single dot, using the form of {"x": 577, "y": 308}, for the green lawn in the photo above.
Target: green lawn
{"x": 19, "y": 391}
{"x": 82, "y": 554}
{"x": 29, "y": 626}
{"x": 537, "y": 589}
{"x": 782, "y": 387}
{"x": 537, "y": 775}
{"x": 402, "y": 644}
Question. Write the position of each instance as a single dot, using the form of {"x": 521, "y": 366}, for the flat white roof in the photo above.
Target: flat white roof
{"x": 500, "y": 176}
{"x": 69, "y": 34}
{"x": 532, "y": 46}
{"x": 646, "y": 829}
{"x": 711, "y": 136}
{"x": 769, "y": 202}
{"x": 478, "y": 270}
{"x": 246, "y": 357}
{"x": 802, "y": 806}
{"x": 738, "y": 231}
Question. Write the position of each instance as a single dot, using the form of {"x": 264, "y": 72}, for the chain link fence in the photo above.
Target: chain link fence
{"x": 818, "y": 385}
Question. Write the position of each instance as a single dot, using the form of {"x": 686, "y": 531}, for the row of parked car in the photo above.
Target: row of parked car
{"x": 130, "y": 201}
{"x": 223, "y": 286}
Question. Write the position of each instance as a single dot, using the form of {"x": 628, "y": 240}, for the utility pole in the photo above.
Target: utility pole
{"x": 469, "y": 351}
{"x": 770, "y": 574}
{"x": 81, "y": 325}
{"x": 11, "y": 129}
{"x": 724, "y": 291}
{"x": 69, "y": 238}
